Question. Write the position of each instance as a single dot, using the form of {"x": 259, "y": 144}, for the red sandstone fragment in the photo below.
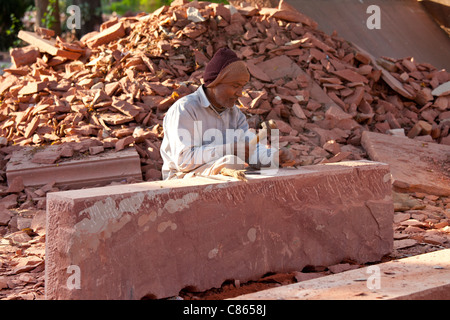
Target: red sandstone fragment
{"x": 410, "y": 164}
{"x": 7, "y": 82}
{"x": 31, "y": 127}
{"x": 420, "y": 277}
{"x": 44, "y": 33}
{"x": 420, "y": 128}
{"x": 46, "y": 45}
{"x": 126, "y": 108}
{"x": 110, "y": 88}
{"x": 33, "y": 87}
{"x": 96, "y": 149}
{"x": 107, "y": 35}
{"x": 363, "y": 58}
{"x": 279, "y": 67}
{"x": 298, "y": 111}
{"x": 442, "y": 90}
{"x": 336, "y": 114}
{"x": 79, "y": 172}
{"x": 351, "y": 76}
{"x": 46, "y": 157}
{"x": 16, "y": 185}
{"x": 24, "y": 56}
{"x": 122, "y": 143}
{"x": 257, "y": 72}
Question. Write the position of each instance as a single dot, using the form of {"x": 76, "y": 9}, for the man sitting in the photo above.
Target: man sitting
{"x": 205, "y": 131}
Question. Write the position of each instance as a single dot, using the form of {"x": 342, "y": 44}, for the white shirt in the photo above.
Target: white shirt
{"x": 195, "y": 133}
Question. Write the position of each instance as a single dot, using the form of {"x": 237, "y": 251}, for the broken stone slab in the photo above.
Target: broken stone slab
{"x": 288, "y": 13}
{"x": 442, "y": 90}
{"x": 350, "y": 76}
{"x": 316, "y": 92}
{"x": 24, "y": 56}
{"x": 81, "y": 171}
{"x": 153, "y": 239}
{"x": 415, "y": 166}
{"x": 5, "y": 216}
{"x": 33, "y": 87}
{"x": 421, "y": 277}
{"x": 46, "y": 45}
{"x": 107, "y": 35}
{"x": 387, "y": 77}
{"x": 280, "y": 67}
{"x": 257, "y": 72}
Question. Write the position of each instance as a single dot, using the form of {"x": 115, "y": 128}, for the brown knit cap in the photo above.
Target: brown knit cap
{"x": 235, "y": 72}
{"x": 225, "y": 67}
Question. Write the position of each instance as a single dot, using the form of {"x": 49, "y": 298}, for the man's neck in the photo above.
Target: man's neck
{"x": 213, "y": 101}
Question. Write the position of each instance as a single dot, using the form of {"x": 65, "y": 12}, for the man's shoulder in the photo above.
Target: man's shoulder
{"x": 189, "y": 103}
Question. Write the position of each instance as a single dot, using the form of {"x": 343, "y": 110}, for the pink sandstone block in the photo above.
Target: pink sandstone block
{"x": 416, "y": 166}
{"x": 153, "y": 239}
{"x": 81, "y": 171}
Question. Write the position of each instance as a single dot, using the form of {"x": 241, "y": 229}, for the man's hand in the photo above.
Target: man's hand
{"x": 286, "y": 158}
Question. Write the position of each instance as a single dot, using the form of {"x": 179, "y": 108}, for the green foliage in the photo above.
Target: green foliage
{"x": 219, "y": 1}
{"x": 120, "y": 7}
{"x": 10, "y": 21}
{"x": 123, "y": 6}
{"x": 49, "y": 20}
{"x": 152, "y": 5}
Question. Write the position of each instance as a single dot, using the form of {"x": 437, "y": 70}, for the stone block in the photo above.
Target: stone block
{"x": 153, "y": 239}
{"x": 416, "y": 166}
{"x": 76, "y": 172}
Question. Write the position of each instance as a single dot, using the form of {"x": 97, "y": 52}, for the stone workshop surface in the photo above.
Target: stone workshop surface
{"x": 416, "y": 166}
{"x": 153, "y": 239}
{"x": 38, "y": 167}
{"x": 421, "y": 277}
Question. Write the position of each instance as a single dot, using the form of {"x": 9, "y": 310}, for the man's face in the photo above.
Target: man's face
{"x": 226, "y": 94}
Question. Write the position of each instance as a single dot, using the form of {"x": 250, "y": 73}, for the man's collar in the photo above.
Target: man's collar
{"x": 204, "y": 102}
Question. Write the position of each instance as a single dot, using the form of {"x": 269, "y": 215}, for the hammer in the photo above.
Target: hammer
{"x": 240, "y": 174}
{"x": 267, "y": 127}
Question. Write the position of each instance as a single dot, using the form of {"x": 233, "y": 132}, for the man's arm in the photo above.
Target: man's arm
{"x": 186, "y": 140}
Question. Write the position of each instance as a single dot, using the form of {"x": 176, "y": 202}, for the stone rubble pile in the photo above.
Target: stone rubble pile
{"x": 113, "y": 86}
